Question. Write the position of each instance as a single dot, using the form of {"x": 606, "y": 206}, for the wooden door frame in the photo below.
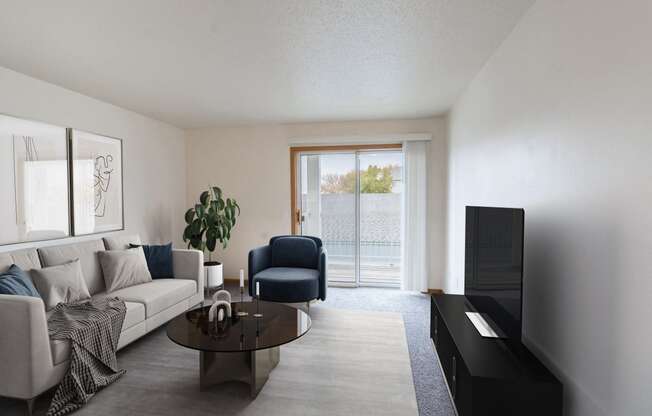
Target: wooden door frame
{"x": 294, "y": 153}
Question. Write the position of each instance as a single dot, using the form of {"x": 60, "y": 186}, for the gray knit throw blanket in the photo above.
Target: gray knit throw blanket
{"x": 93, "y": 328}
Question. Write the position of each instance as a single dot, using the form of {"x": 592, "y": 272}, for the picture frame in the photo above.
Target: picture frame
{"x": 35, "y": 178}
{"x": 97, "y": 183}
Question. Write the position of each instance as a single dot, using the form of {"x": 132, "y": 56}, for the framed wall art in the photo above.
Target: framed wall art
{"x": 34, "y": 181}
{"x": 97, "y": 183}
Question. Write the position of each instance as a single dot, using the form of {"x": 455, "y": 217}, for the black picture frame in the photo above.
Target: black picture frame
{"x": 79, "y": 191}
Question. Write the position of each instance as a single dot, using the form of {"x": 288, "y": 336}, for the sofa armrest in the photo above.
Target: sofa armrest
{"x": 24, "y": 347}
{"x": 260, "y": 259}
{"x": 323, "y": 272}
{"x": 189, "y": 264}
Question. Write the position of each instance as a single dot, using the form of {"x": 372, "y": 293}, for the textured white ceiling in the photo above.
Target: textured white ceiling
{"x": 196, "y": 63}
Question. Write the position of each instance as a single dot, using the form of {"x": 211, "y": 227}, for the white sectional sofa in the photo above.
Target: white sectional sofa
{"x": 30, "y": 363}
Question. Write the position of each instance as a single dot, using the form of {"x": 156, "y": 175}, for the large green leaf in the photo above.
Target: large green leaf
{"x": 211, "y": 239}
{"x": 196, "y": 227}
{"x": 210, "y": 244}
{"x": 217, "y": 192}
{"x": 187, "y": 233}
{"x": 196, "y": 243}
{"x": 205, "y": 198}
{"x": 199, "y": 208}
{"x": 190, "y": 215}
{"x": 211, "y": 221}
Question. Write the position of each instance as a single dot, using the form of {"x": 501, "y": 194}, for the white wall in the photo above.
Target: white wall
{"x": 559, "y": 122}
{"x": 154, "y": 152}
{"x": 252, "y": 164}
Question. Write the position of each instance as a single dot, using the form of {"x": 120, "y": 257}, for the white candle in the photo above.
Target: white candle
{"x": 241, "y": 278}
{"x": 257, "y": 289}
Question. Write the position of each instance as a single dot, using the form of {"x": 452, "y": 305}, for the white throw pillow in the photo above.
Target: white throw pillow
{"x": 124, "y": 268}
{"x": 60, "y": 284}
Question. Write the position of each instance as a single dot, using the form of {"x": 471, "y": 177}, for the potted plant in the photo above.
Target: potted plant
{"x": 210, "y": 222}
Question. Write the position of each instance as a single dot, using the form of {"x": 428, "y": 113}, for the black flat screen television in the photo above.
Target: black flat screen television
{"x": 493, "y": 271}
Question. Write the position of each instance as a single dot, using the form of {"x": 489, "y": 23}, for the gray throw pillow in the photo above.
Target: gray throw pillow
{"x": 124, "y": 268}
{"x": 60, "y": 284}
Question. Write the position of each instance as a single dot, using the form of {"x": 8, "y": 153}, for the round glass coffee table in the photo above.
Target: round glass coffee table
{"x": 241, "y": 348}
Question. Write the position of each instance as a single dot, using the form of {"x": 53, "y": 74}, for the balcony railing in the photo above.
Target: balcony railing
{"x": 380, "y": 262}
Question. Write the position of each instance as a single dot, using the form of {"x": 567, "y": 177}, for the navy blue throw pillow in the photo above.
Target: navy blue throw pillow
{"x": 159, "y": 260}
{"x": 16, "y": 282}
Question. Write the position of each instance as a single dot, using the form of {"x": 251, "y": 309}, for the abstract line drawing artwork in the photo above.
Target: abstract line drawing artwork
{"x": 103, "y": 171}
{"x": 96, "y": 183}
{"x": 34, "y": 180}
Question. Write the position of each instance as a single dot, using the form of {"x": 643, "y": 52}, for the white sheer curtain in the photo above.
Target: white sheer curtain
{"x": 415, "y": 217}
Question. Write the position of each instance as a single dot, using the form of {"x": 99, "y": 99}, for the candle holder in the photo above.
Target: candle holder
{"x": 241, "y": 312}
{"x": 257, "y": 314}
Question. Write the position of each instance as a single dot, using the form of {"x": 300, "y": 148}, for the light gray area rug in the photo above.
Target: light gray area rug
{"x": 350, "y": 363}
{"x": 432, "y": 393}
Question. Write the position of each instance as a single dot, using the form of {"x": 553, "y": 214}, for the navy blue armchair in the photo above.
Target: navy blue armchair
{"x": 290, "y": 269}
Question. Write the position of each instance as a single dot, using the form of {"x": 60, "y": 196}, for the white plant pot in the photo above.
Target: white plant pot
{"x": 213, "y": 274}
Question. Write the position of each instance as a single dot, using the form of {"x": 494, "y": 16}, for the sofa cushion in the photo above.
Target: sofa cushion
{"x": 121, "y": 242}
{"x": 86, "y": 252}
{"x": 135, "y": 315}
{"x": 25, "y": 259}
{"x": 294, "y": 251}
{"x": 124, "y": 268}
{"x": 159, "y": 260}
{"x": 158, "y": 294}
{"x": 15, "y": 281}
{"x": 60, "y": 284}
{"x": 288, "y": 284}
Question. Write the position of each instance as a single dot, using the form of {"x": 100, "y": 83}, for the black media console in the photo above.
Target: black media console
{"x": 488, "y": 376}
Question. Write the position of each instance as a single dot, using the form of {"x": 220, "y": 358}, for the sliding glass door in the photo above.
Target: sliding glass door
{"x": 381, "y": 197}
{"x": 329, "y": 211}
{"x": 352, "y": 200}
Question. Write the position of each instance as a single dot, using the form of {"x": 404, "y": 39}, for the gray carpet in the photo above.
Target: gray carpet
{"x": 432, "y": 395}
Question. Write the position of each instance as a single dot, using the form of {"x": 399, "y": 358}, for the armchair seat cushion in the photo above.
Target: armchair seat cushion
{"x": 288, "y": 284}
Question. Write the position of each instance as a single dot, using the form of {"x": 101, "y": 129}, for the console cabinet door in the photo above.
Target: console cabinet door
{"x": 462, "y": 387}
{"x": 434, "y": 322}
{"x": 444, "y": 345}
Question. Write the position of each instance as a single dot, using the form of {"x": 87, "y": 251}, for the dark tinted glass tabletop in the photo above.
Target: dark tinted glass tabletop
{"x": 279, "y": 325}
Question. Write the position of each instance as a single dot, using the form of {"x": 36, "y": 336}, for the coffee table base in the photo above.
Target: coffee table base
{"x": 251, "y": 367}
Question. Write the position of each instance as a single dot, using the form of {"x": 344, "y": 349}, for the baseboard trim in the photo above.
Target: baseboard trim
{"x": 236, "y": 280}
